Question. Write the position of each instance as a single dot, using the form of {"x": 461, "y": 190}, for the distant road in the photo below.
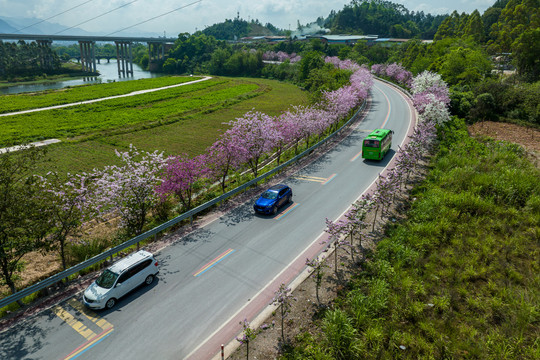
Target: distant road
{"x": 139, "y": 92}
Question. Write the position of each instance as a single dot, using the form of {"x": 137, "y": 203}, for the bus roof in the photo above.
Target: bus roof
{"x": 378, "y": 134}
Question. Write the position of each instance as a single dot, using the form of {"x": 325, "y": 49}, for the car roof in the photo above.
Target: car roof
{"x": 278, "y": 187}
{"x": 129, "y": 260}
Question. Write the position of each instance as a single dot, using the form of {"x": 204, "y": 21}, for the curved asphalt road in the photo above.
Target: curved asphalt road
{"x": 222, "y": 273}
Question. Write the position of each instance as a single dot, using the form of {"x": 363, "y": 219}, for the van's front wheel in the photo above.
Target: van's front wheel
{"x": 110, "y": 303}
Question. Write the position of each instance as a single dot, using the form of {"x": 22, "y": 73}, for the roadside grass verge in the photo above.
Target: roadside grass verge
{"x": 26, "y": 101}
{"x": 459, "y": 278}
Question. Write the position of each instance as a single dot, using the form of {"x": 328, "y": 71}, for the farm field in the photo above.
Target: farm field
{"x": 19, "y": 102}
{"x": 185, "y": 119}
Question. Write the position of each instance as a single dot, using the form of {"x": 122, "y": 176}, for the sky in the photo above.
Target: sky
{"x": 172, "y": 17}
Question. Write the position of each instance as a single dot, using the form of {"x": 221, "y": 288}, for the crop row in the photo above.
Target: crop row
{"x": 19, "y": 102}
{"x": 158, "y": 107}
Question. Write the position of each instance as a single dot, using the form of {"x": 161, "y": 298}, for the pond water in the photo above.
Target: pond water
{"x": 108, "y": 72}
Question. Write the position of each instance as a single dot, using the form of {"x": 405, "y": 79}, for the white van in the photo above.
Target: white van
{"x": 119, "y": 279}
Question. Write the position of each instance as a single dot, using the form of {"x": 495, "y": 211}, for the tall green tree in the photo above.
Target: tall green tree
{"x": 474, "y": 27}
{"x": 464, "y": 66}
{"x": 516, "y": 18}
{"x": 526, "y": 52}
{"x": 23, "y": 212}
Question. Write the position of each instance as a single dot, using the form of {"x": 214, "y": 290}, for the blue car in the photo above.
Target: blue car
{"x": 272, "y": 199}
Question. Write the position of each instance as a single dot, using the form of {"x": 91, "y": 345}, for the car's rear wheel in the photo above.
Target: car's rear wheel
{"x": 110, "y": 303}
{"x": 289, "y": 199}
{"x": 149, "y": 279}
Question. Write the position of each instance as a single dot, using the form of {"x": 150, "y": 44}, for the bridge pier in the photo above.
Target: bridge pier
{"x": 124, "y": 57}
{"x": 156, "y": 54}
{"x": 88, "y": 55}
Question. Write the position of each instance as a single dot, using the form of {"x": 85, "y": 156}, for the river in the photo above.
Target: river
{"x": 108, "y": 72}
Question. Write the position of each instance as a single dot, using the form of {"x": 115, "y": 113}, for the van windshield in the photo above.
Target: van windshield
{"x": 106, "y": 279}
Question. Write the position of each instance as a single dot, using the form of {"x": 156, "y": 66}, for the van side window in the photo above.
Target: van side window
{"x": 123, "y": 277}
{"x": 140, "y": 266}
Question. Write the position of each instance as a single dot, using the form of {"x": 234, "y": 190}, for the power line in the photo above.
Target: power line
{"x": 105, "y": 13}
{"x": 63, "y": 12}
{"x": 155, "y": 17}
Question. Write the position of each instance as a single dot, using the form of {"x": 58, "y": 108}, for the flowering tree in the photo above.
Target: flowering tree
{"x": 336, "y": 230}
{"x": 248, "y": 334}
{"x": 399, "y": 74}
{"x": 355, "y": 224}
{"x": 69, "y": 204}
{"x": 129, "y": 189}
{"x": 288, "y": 130}
{"x": 255, "y": 135}
{"x": 395, "y": 72}
{"x": 428, "y": 88}
{"x": 291, "y": 119}
{"x": 180, "y": 175}
{"x": 358, "y": 215}
{"x": 318, "y": 273}
{"x": 281, "y": 56}
{"x": 436, "y": 112}
{"x": 223, "y": 156}
{"x": 283, "y": 298}
{"x": 346, "y": 64}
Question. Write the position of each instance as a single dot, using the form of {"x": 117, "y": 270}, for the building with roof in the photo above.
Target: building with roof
{"x": 343, "y": 39}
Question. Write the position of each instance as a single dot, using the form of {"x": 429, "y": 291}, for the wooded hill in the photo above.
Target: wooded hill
{"x": 379, "y": 17}
{"x": 238, "y": 28}
{"x": 383, "y": 18}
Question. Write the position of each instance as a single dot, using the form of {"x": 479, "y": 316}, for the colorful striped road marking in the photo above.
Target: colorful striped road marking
{"x": 91, "y": 337}
{"x": 213, "y": 262}
{"x": 289, "y": 209}
{"x": 329, "y": 179}
{"x": 356, "y": 156}
{"x": 89, "y": 344}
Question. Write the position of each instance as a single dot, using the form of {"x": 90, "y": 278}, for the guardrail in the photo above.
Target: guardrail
{"x": 187, "y": 215}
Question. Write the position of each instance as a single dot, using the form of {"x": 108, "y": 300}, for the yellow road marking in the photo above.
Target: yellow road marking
{"x": 74, "y": 323}
{"x": 310, "y": 178}
{"x": 92, "y": 316}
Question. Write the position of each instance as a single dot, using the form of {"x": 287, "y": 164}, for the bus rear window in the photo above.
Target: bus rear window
{"x": 371, "y": 143}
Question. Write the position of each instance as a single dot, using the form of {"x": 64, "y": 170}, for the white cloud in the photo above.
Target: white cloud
{"x": 280, "y": 13}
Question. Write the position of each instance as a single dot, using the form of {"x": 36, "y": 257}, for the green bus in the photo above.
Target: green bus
{"x": 377, "y": 144}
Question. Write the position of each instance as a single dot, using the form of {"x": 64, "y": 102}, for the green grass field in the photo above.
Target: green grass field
{"x": 26, "y": 101}
{"x": 186, "y": 119}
